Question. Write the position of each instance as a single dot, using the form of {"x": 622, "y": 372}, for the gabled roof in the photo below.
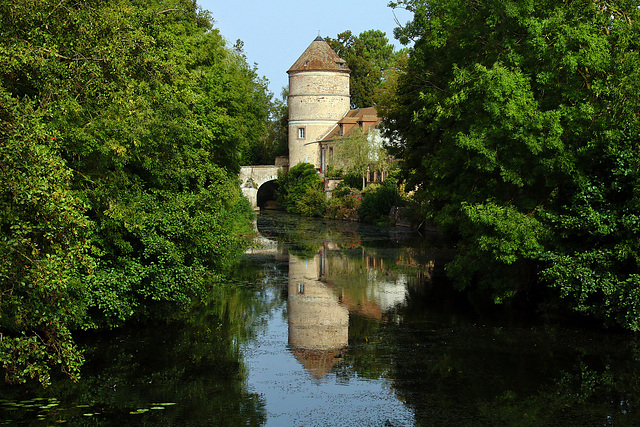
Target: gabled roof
{"x": 365, "y": 117}
{"x": 319, "y": 57}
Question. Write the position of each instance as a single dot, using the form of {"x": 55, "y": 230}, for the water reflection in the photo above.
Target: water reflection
{"x": 326, "y": 287}
{"x": 187, "y": 371}
{"x": 388, "y": 341}
{"x": 334, "y": 276}
{"x": 318, "y": 321}
{"x": 332, "y": 323}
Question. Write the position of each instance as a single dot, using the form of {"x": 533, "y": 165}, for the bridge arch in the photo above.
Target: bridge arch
{"x": 267, "y": 193}
{"x": 252, "y": 180}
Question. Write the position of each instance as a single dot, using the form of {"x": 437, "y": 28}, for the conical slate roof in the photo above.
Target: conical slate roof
{"x": 319, "y": 57}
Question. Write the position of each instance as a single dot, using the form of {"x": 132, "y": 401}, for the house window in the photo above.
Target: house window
{"x": 300, "y": 288}
{"x": 300, "y": 133}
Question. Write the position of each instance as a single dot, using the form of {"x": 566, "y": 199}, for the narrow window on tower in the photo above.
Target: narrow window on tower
{"x": 300, "y": 133}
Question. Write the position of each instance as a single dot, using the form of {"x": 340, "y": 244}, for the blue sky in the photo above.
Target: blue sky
{"x": 276, "y": 32}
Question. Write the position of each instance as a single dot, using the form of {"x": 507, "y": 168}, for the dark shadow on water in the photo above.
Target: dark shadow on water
{"x": 369, "y": 321}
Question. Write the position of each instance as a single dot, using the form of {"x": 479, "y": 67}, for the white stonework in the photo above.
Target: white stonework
{"x": 253, "y": 177}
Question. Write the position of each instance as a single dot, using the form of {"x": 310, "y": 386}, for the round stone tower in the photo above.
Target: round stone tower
{"x": 318, "y": 99}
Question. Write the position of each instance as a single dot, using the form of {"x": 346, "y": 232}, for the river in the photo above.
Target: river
{"x": 332, "y": 323}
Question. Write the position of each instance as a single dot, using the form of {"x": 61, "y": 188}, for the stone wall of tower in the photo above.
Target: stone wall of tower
{"x": 317, "y": 101}
{"x": 317, "y": 320}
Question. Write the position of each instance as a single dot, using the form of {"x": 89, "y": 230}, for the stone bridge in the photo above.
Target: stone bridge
{"x": 258, "y": 183}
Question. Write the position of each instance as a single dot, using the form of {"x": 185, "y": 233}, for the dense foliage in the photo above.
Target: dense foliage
{"x": 518, "y": 126}
{"x": 372, "y": 60}
{"x": 357, "y": 153}
{"x": 301, "y": 191}
{"x": 275, "y": 142}
{"x": 378, "y": 200}
{"x": 345, "y": 201}
{"x": 123, "y": 125}
{"x": 43, "y": 247}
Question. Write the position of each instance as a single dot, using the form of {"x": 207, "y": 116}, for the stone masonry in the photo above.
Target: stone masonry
{"x": 318, "y": 99}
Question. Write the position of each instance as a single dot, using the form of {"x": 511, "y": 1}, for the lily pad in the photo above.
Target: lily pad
{"x": 50, "y": 405}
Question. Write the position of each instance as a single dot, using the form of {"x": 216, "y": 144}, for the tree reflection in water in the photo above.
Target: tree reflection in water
{"x": 449, "y": 358}
{"x": 185, "y": 371}
{"x": 335, "y": 323}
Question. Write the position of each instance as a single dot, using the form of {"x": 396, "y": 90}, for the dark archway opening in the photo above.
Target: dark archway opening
{"x": 266, "y": 197}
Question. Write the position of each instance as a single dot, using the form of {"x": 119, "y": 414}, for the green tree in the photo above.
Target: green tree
{"x": 301, "y": 191}
{"x": 517, "y": 125}
{"x": 43, "y": 247}
{"x": 275, "y": 141}
{"x": 371, "y": 59}
{"x": 378, "y": 200}
{"x": 151, "y": 114}
{"x": 358, "y": 152}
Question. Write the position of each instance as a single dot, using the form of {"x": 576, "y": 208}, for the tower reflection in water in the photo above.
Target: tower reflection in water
{"x": 318, "y": 322}
{"x": 323, "y": 291}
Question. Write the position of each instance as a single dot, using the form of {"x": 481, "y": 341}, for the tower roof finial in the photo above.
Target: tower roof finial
{"x": 319, "y": 39}
{"x": 319, "y": 57}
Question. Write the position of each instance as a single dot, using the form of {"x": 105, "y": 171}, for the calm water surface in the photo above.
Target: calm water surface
{"x": 334, "y": 323}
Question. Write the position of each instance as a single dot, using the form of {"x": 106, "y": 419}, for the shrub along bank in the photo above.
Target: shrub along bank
{"x": 301, "y": 191}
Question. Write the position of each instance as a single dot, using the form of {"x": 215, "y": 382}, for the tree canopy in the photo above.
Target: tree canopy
{"x": 301, "y": 191}
{"x": 517, "y": 125}
{"x": 358, "y": 152}
{"x": 123, "y": 126}
{"x": 275, "y": 141}
{"x": 371, "y": 58}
